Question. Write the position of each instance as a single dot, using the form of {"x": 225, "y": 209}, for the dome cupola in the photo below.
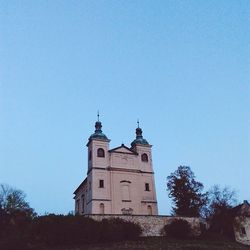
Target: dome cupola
{"x": 139, "y": 138}
{"x": 98, "y": 131}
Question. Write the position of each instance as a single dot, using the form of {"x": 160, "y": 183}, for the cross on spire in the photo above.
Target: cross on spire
{"x": 138, "y": 123}
{"x": 98, "y": 115}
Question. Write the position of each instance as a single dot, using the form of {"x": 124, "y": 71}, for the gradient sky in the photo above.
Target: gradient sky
{"x": 181, "y": 67}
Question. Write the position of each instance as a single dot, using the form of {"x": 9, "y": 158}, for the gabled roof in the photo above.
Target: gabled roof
{"x": 123, "y": 149}
{"x": 242, "y": 209}
{"x": 82, "y": 184}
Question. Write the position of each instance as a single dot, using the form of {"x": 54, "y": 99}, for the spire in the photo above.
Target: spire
{"x": 139, "y": 138}
{"x": 98, "y": 124}
{"x": 98, "y": 130}
{"x": 98, "y": 127}
{"x": 138, "y": 132}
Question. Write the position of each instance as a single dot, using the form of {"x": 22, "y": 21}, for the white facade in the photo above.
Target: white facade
{"x": 120, "y": 180}
{"x": 242, "y": 223}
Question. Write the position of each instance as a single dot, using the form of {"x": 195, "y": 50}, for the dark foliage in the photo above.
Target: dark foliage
{"x": 220, "y": 213}
{"x": 61, "y": 230}
{"x": 118, "y": 229}
{"x": 20, "y": 228}
{"x": 56, "y": 230}
{"x": 13, "y": 200}
{"x": 15, "y": 219}
{"x": 186, "y": 192}
{"x": 178, "y": 228}
{"x": 15, "y": 230}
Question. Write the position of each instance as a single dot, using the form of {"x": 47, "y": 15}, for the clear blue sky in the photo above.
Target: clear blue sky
{"x": 181, "y": 67}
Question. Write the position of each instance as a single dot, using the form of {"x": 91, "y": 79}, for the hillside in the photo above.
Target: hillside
{"x": 161, "y": 243}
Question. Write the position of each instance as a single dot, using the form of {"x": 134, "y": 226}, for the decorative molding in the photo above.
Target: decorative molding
{"x": 125, "y": 181}
{"x": 82, "y": 184}
{"x": 129, "y": 170}
{"x": 98, "y": 200}
{"x": 149, "y": 202}
{"x": 131, "y": 152}
{"x": 98, "y": 168}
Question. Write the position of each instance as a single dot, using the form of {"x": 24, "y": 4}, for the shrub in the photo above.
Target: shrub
{"x": 118, "y": 229}
{"x": 61, "y": 230}
{"x": 70, "y": 230}
{"x": 178, "y": 228}
{"x": 19, "y": 231}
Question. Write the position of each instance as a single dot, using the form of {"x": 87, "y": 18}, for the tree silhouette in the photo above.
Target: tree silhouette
{"x": 186, "y": 192}
{"x": 220, "y": 214}
{"x": 13, "y": 200}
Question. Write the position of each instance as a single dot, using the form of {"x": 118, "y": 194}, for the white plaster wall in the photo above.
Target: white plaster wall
{"x": 137, "y": 192}
{"x": 144, "y": 166}
{"x": 123, "y": 161}
{"x": 118, "y": 166}
{"x": 242, "y": 222}
{"x": 99, "y": 161}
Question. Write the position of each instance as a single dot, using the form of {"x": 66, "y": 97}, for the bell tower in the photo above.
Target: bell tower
{"x": 97, "y": 174}
{"x": 145, "y": 167}
{"x": 143, "y": 149}
{"x": 98, "y": 146}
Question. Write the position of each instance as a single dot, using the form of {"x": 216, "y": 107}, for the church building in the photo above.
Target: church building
{"x": 119, "y": 180}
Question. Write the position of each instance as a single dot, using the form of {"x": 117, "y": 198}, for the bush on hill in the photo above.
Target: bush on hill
{"x": 118, "y": 229}
{"x": 178, "y": 228}
{"x": 55, "y": 230}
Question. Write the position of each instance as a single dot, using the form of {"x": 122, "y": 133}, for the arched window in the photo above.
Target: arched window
{"x": 144, "y": 157}
{"x": 149, "y": 208}
{"x": 77, "y": 206}
{"x": 83, "y": 203}
{"x": 101, "y": 208}
{"x": 100, "y": 152}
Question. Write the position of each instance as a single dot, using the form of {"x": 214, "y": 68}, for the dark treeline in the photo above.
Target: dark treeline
{"x": 21, "y": 228}
{"x": 215, "y": 206}
{"x": 19, "y": 231}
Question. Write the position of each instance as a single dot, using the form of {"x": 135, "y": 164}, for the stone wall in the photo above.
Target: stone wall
{"x": 240, "y": 223}
{"x": 152, "y": 225}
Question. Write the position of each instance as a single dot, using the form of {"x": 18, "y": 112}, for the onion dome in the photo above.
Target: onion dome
{"x": 98, "y": 132}
{"x": 139, "y": 138}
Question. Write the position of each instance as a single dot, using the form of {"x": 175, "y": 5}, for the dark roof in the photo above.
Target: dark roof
{"x": 85, "y": 180}
{"x": 98, "y": 135}
{"x": 98, "y": 132}
{"x": 123, "y": 146}
{"x": 242, "y": 209}
{"x": 139, "y": 139}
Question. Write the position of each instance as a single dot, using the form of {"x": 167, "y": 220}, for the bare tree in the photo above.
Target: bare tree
{"x": 12, "y": 199}
{"x": 219, "y": 211}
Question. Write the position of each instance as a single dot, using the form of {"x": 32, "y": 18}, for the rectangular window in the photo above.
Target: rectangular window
{"x": 77, "y": 206}
{"x": 101, "y": 183}
{"x": 147, "y": 187}
{"x": 243, "y": 231}
{"x": 83, "y": 208}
